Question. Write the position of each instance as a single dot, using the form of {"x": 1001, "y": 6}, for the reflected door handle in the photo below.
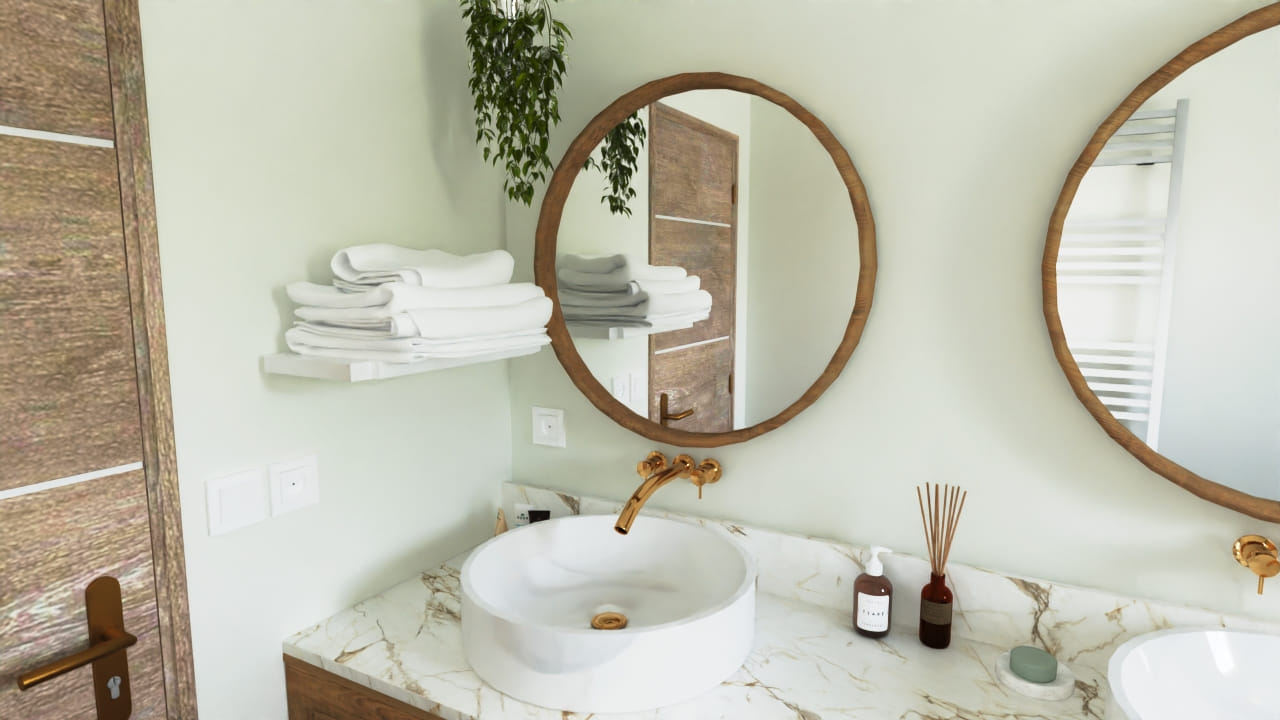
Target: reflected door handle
{"x": 107, "y": 642}
{"x": 664, "y": 412}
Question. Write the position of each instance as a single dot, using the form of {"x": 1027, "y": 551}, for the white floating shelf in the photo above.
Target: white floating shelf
{"x": 323, "y": 368}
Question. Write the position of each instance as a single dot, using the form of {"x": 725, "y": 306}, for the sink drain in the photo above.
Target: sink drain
{"x": 609, "y": 621}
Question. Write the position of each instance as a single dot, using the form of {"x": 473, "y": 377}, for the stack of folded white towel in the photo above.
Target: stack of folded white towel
{"x": 402, "y": 305}
{"x": 613, "y": 291}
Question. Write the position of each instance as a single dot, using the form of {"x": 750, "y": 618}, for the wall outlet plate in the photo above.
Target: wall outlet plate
{"x": 295, "y": 484}
{"x": 548, "y": 427}
{"x": 235, "y": 501}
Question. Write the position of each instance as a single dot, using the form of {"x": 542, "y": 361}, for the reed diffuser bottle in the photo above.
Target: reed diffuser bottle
{"x": 940, "y": 513}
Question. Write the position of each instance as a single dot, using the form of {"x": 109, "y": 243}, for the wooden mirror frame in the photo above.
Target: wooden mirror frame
{"x": 544, "y": 263}
{"x": 1252, "y": 505}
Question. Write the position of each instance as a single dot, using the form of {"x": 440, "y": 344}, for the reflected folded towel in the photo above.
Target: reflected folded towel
{"x": 608, "y": 322}
{"x": 592, "y": 263}
{"x": 581, "y": 298}
{"x": 397, "y": 296}
{"x": 619, "y": 278}
{"x": 575, "y": 312}
{"x": 678, "y": 285}
{"x": 381, "y": 262}
{"x": 409, "y": 356}
{"x": 441, "y": 323}
{"x": 666, "y": 304}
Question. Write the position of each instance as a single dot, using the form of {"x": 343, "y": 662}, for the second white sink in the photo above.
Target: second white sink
{"x": 529, "y": 597}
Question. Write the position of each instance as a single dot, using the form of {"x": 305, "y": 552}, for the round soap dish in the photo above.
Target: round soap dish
{"x": 1060, "y": 688}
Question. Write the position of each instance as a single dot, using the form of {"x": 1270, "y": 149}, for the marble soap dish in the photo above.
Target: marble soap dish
{"x": 1060, "y": 688}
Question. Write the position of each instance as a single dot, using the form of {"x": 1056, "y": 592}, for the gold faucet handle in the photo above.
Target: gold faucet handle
{"x": 707, "y": 472}
{"x": 1259, "y": 555}
{"x": 652, "y": 463}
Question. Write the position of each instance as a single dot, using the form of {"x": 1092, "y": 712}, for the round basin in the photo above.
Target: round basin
{"x": 678, "y": 599}
{"x": 1196, "y": 675}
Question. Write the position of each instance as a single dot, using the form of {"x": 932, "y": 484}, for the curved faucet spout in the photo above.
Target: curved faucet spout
{"x": 682, "y": 465}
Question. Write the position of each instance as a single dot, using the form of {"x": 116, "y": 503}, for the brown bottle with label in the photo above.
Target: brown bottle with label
{"x": 873, "y": 599}
{"x": 935, "y": 612}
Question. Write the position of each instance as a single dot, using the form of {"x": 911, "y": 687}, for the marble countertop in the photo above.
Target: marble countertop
{"x": 808, "y": 664}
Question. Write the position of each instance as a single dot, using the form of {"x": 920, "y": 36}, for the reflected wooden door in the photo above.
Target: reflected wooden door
{"x": 693, "y": 177}
{"x": 87, "y": 486}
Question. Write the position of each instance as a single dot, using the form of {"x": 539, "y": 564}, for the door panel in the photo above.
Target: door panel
{"x": 697, "y": 173}
{"x": 686, "y": 376}
{"x": 54, "y": 542}
{"x": 53, "y": 67}
{"x": 705, "y": 251}
{"x": 67, "y": 374}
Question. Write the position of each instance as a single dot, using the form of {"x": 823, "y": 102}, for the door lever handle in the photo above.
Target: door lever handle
{"x": 664, "y": 412}
{"x": 106, "y": 652}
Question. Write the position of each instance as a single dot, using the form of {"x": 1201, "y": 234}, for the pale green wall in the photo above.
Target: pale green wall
{"x": 281, "y": 131}
{"x": 963, "y": 117}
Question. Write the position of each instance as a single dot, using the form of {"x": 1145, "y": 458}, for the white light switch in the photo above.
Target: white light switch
{"x": 235, "y": 501}
{"x": 548, "y": 427}
{"x": 294, "y": 484}
{"x": 621, "y": 388}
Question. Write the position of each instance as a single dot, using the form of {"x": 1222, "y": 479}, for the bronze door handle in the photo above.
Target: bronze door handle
{"x": 664, "y": 413}
{"x": 108, "y": 640}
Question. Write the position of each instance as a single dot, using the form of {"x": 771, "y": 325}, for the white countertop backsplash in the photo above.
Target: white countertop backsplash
{"x": 808, "y": 663}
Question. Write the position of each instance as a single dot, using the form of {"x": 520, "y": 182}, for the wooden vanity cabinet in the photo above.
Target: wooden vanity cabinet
{"x": 316, "y": 694}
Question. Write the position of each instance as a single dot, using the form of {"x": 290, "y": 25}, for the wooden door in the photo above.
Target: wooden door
{"x": 87, "y": 479}
{"x": 693, "y": 217}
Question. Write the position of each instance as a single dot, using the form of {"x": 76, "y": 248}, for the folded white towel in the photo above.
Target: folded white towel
{"x": 617, "y": 279}
{"x": 380, "y": 262}
{"x": 580, "y": 298}
{"x": 442, "y": 323}
{"x": 666, "y": 304}
{"x": 397, "y": 296}
{"x": 592, "y": 263}
{"x": 398, "y": 325}
{"x": 678, "y": 285}
{"x": 409, "y": 356}
{"x": 311, "y": 338}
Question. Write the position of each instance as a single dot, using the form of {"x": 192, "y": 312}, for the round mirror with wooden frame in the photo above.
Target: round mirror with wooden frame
{"x": 811, "y": 234}
{"x": 1176, "y": 360}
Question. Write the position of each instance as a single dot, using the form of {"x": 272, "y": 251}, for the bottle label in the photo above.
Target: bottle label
{"x": 873, "y": 612}
{"x": 935, "y": 613}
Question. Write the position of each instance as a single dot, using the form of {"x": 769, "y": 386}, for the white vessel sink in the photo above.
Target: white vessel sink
{"x": 1196, "y": 675}
{"x": 529, "y": 595}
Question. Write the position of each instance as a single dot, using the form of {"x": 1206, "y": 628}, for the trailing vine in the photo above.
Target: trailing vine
{"x": 517, "y": 66}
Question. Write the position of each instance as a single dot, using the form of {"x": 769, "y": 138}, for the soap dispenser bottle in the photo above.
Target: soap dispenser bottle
{"x": 872, "y": 598}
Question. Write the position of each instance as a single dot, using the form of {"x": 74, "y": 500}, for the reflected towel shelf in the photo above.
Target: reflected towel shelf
{"x": 601, "y": 332}
{"x": 323, "y": 368}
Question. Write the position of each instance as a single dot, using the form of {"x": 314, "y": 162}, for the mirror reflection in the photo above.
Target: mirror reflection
{"x": 1167, "y": 269}
{"x": 723, "y": 295}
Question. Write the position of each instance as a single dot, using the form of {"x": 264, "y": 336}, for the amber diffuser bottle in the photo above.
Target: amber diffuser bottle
{"x": 935, "y": 613}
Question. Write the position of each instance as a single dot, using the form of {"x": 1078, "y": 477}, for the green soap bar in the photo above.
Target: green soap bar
{"x": 1033, "y": 664}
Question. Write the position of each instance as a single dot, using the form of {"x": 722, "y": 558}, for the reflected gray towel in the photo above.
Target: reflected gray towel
{"x": 617, "y": 279}
{"x": 581, "y": 298}
{"x": 592, "y": 263}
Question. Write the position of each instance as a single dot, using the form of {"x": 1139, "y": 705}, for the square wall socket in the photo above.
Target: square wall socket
{"x": 548, "y": 427}
{"x": 295, "y": 484}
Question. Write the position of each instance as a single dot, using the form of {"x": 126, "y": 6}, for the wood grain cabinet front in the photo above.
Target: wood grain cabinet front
{"x": 316, "y": 694}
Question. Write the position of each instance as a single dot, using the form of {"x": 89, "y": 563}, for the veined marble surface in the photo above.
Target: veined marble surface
{"x": 808, "y": 664}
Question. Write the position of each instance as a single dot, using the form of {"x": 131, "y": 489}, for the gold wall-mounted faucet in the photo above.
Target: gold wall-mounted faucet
{"x": 1259, "y": 555}
{"x": 656, "y": 473}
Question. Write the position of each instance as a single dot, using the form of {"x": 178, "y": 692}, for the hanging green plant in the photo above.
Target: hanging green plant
{"x": 619, "y": 158}
{"x": 517, "y": 65}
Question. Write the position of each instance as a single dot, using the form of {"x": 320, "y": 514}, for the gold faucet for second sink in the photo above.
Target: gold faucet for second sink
{"x": 656, "y": 473}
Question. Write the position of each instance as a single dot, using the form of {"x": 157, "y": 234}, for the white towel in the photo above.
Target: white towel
{"x": 666, "y": 304}
{"x": 487, "y": 343}
{"x": 397, "y": 296}
{"x": 380, "y": 262}
{"x": 409, "y": 356}
{"x": 579, "y": 298}
{"x": 592, "y": 263}
{"x": 617, "y": 279}
{"x": 678, "y": 285}
{"x": 443, "y": 323}
{"x": 398, "y": 325}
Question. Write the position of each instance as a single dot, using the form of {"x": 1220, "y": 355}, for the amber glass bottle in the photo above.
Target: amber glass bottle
{"x": 935, "y": 612}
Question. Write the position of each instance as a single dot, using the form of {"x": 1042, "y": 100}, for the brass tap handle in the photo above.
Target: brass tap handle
{"x": 707, "y": 472}
{"x": 664, "y": 411}
{"x": 1259, "y": 555}
{"x": 652, "y": 463}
